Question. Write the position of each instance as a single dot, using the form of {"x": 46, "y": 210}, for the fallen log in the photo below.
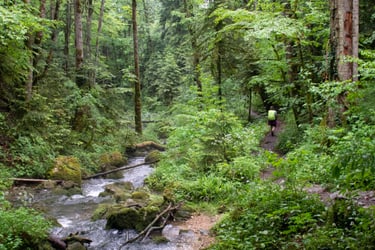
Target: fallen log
{"x": 34, "y": 180}
{"x": 149, "y": 144}
{"x": 117, "y": 169}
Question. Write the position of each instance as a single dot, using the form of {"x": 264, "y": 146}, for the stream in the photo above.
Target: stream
{"x": 74, "y": 214}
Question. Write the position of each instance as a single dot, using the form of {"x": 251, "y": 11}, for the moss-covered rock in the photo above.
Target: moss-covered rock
{"x": 137, "y": 211}
{"x": 134, "y": 217}
{"x": 100, "y": 212}
{"x": 110, "y": 161}
{"x": 153, "y": 156}
{"x": 119, "y": 191}
{"x": 67, "y": 168}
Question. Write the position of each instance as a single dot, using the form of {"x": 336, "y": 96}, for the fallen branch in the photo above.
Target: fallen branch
{"x": 151, "y": 227}
{"x": 34, "y": 180}
{"x": 149, "y": 144}
{"x": 117, "y": 169}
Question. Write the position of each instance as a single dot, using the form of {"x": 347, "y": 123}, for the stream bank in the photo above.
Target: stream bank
{"x": 74, "y": 213}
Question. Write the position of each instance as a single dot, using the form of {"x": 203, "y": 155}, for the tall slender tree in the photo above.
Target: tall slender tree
{"x": 78, "y": 9}
{"x": 137, "y": 82}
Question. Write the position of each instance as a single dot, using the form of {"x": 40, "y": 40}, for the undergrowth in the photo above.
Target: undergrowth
{"x": 220, "y": 165}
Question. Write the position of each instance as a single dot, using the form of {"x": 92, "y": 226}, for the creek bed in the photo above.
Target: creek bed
{"x": 74, "y": 214}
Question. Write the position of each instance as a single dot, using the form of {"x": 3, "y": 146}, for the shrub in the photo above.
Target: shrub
{"x": 22, "y": 228}
{"x": 354, "y": 157}
{"x": 271, "y": 218}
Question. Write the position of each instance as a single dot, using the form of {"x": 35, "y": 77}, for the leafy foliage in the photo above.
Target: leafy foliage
{"x": 270, "y": 218}
{"x": 21, "y": 228}
{"x": 354, "y": 157}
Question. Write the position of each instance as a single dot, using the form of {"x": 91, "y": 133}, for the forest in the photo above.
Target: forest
{"x": 84, "y": 81}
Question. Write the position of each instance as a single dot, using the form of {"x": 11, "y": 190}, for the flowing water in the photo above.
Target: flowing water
{"x": 74, "y": 214}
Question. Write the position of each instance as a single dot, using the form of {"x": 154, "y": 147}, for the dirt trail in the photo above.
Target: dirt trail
{"x": 362, "y": 198}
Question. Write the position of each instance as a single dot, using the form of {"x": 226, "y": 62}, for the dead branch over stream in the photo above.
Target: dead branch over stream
{"x": 117, "y": 169}
{"x": 168, "y": 211}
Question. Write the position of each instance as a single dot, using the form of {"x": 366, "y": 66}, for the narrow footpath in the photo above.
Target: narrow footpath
{"x": 362, "y": 198}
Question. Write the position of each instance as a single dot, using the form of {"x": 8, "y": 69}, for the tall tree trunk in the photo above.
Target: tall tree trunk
{"x": 33, "y": 44}
{"x": 195, "y": 49}
{"x": 67, "y": 32}
{"x": 219, "y": 59}
{"x": 137, "y": 83}
{"x": 78, "y": 42}
{"x": 344, "y": 38}
{"x": 100, "y": 24}
{"x": 55, "y": 11}
{"x": 87, "y": 47}
{"x": 344, "y": 44}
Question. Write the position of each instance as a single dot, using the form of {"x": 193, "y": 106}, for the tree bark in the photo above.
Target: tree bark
{"x": 344, "y": 38}
{"x": 344, "y": 35}
{"x": 137, "y": 83}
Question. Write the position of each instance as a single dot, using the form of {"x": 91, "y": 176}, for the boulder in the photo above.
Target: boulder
{"x": 133, "y": 217}
{"x": 67, "y": 168}
{"x": 120, "y": 191}
{"x": 110, "y": 161}
{"x": 135, "y": 208}
{"x": 153, "y": 156}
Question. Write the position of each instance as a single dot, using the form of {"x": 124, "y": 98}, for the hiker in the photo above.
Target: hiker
{"x": 272, "y": 117}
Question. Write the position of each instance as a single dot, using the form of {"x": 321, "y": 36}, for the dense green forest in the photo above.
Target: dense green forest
{"x": 82, "y": 80}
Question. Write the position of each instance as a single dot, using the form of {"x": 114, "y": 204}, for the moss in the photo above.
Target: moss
{"x": 66, "y": 168}
{"x": 119, "y": 191}
{"x": 112, "y": 160}
{"x": 100, "y": 212}
{"x": 160, "y": 239}
{"x": 153, "y": 156}
{"x": 122, "y": 218}
{"x": 140, "y": 195}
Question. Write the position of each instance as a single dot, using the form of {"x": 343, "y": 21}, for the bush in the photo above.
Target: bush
{"x": 271, "y": 218}
{"x": 22, "y": 228}
{"x": 354, "y": 158}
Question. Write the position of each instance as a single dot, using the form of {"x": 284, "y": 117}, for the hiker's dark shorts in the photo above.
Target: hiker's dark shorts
{"x": 272, "y": 123}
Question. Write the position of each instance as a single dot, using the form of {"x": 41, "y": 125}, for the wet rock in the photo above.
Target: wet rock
{"x": 119, "y": 191}
{"x": 170, "y": 232}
